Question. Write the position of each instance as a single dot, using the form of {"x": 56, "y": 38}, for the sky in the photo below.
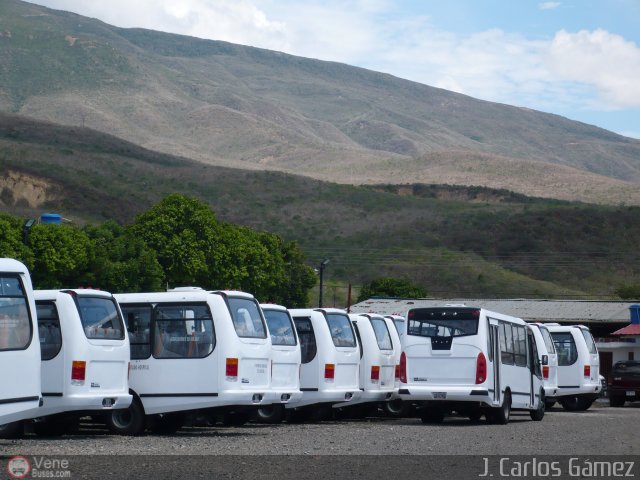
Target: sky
{"x": 575, "y": 58}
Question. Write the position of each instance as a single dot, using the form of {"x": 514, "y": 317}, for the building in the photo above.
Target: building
{"x": 602, "y": 317}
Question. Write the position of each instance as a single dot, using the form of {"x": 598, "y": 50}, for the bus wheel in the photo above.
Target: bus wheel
{"x": 235, "y": 419}
{"x": 167, "y": 423}
{"x": 501, "y": 415}
{"x": 128, "y": 421}
{"x": 432, "y": 415}
{"x": 396, "y": 408}
{"x": 538, "y": 413}
{"x": 576, "y": 403}
{"x": 271, "y": 414}
{"x": 11, "y": 430}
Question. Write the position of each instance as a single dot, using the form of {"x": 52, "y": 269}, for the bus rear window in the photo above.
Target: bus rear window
{"x": 246, "y": 318}
{"x": 565, "y": 347}
{"x": 591, "y": 345}
{"x": 308, "y": 347}
{"x": 49, "y": 330}
{"x": 100, "y": 318}
{"x": 548, "y": 341}
{"x": 280, "y": 327}
{"x": 443, "y": 322}
{"x": 15, "y": 324}
{"x": 341, "y": 330}
{"x": 382, "y": 334}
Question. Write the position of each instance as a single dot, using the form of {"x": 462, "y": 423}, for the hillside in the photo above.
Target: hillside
{"x": 236, "y": 106}
{"x": 452, "y": 240}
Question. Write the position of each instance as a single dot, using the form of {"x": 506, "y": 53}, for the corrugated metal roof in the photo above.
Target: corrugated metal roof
{"x": 562, "y": 311}
{"x": 633, "y": 329}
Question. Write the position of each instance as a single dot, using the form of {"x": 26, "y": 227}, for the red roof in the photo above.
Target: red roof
{"x": 632, "y": 329}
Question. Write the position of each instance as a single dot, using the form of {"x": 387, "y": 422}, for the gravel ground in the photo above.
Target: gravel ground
{"x": 599, "y": 431}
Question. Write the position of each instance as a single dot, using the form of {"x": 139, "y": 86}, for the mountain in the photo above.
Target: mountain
{"x": 455, "y": 241}
{"x": 243, "y": 107}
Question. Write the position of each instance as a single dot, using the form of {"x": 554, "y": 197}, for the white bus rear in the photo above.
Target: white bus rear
{"x": 285, "y": 363}
{"x": 85, "y": 356}
{"x": 330, "y": 358}
{"x": 193, "y": 351}
{"x": 548, "y": 359}
{"x": 19, "y": 348}
{"x": 578, "y": 366}
{"x": 471, "y": 361}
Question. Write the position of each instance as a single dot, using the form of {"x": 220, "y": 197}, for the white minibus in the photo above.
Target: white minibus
{"x": 329, "y": 373}
{"x": 578, "y": 366}
{"x": 472, "y": 361}
{"x": 193, "y": 350}
{"x": 548, "y": 359}
{"x": 396, "y": 407}
{"x": 377, "y": 363}
{"x": 285, "y": 363}
{"x": 85, "y": 357}
{"x": 19, "y": 349}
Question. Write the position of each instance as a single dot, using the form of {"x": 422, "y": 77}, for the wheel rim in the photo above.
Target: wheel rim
{"x": 121, "y": 419}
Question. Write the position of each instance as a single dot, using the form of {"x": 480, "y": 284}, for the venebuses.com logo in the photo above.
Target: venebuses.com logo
{"x": 18, "y": 467}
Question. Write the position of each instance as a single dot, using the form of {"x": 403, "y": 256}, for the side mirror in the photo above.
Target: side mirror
{"x": 545, "y": 359}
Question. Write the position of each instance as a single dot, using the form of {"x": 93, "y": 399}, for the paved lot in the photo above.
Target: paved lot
{"x": 599, "y": 431}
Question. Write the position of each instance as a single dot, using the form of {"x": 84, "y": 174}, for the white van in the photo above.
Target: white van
{"x": 548, "y": 359}
{"x": 193, "y": 350}
{"x": 472, "y": 361}
{"x": 85, "y": 357}
{"x": 285, "y": 363}
{"x": 329, "y": 373}
{"x": 399, "y": 322}
{"x": 377, "y": 362}
{"x": 19, "y": 349}
{"x": 578, "y": 366}
{"x": 396, "y": 407}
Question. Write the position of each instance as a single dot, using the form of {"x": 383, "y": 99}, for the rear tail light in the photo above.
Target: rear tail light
{"x": 587, "y": 370}
{"x": 397, "y": 372}
{"x": 403, "y": 368}
{"x": 481, "y": 368}
{"x": 329, "y": 371}
{"x": 78, "y": 371}
{"x": 232, "y": 369}
{"x": 375, "y": 373}
{"x": 545, "y": 372}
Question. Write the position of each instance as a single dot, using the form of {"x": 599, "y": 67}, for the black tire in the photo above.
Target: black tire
{"x": 538, "y": 414}
{"x": 502, "y": 414}
{"x": 396, "y": 408}
{"x": 432, "y": 415}
{"x": 549, "y": 403}
{"x": 235, "y": 419}
{"x": 167, "y": 423}
{"x": 616, "y": 401}
{"x": 271, "y": 414}
{"x": 12, "y": 430}
{"x": 576, "y": 403}
{"x": 128, "y": 421}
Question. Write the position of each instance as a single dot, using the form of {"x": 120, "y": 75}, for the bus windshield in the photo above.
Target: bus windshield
{"x": 280, "y": 327}
{"x": 443, "y": 322}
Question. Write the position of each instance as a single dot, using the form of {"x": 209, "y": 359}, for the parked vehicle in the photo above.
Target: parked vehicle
{"x": 378, "y": 354}
{"x": 285, "y": 363}
{"x": 472, "y": 361}
{"x": 399, "y": 323}
{"x": 548, "y": 359}
{"x": 624, "y": 383}
{"x": 578, "y": 366}
{"x": 20, "y": 393}
{"x": 193, "y": 351}
{"x": 329, "y": 373}
{"x": 85, "y": 357}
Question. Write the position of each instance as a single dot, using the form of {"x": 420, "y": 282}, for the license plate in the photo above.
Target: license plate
{"x": 631, "y": 393}
{"x": 440, "y": 395}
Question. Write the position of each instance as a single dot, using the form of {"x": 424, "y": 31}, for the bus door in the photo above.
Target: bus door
{"x": 495, "y": 346}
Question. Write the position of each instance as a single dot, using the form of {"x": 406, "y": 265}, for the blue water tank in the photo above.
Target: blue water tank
{"x": 635, "y": 313}
{"x": 50, "y": 218}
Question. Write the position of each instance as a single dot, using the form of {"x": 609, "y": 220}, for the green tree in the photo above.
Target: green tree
{"x": 391, "y": 287}
{"x": 61, "y": 256}
{"x": 11, "y": 244}
{"x": 629, "y": 292}
{"x": 299, "y": 277}
{"x": 122, "y": 262}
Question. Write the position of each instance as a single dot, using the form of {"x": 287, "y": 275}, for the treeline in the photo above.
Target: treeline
{"x": 177, "y": 242}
